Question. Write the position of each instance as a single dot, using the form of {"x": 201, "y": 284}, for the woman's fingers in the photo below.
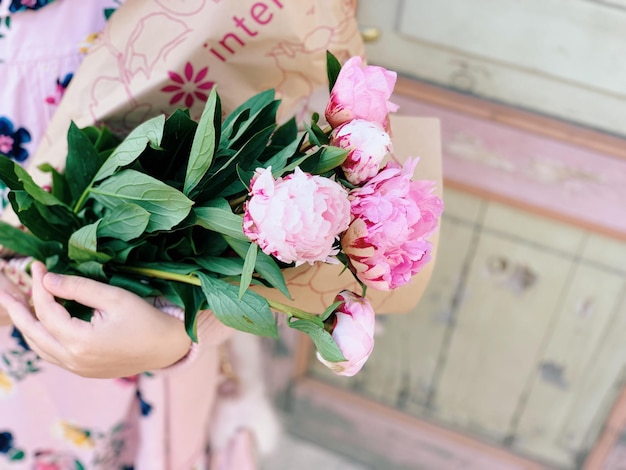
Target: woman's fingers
{"x": 54, "y": 317}
{"x": 35, "y": 334}
{"x": 89, "y": 292}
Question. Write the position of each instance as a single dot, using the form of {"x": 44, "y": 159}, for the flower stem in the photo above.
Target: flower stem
{"x": 81, "y": 201}
{"x": 186, "y": 278}
{"x": 191, "y": 279}
{"x": 296, "y": 312}
{"x": 308, "y": 145}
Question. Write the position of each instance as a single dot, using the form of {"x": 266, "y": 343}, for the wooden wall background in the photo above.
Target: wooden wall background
{"x": 519, "y": 339}
{"x": 515, "y": 357}
{"x": 562, "y": 58}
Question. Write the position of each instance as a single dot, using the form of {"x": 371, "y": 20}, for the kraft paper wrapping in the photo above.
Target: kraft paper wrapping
{"x": 158, "y": 55}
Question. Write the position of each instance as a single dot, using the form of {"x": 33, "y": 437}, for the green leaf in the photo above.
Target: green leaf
{"x": 170, "y": 267}
{"x": 106, "y": 140}
{"x": 286, "y": 133}
{"x": 313, "y": 137}
{"x": 149, "y": 132}
{"x": 265, "y": 265}
{"x": 248, "y": 269}
{"x": 135, "y": 286}
{"x": 245, "y": 176}
{"x": 17, "y": 178}
{"x": 203, "y": 146}
{"x": 92, "y": 269}
{"x": 26, "y": 244}
{"x": 281, "y": 158}
{"x": 294, "y": 163}
{"x": 126, "y": 222}
{"x": 333, "y": 67}
{"x": 82, "y": 162}
{"x": 60, "y": 188}
{"x": 264, "y": 118}
{"x": 322, "y": 339}
{"x": 192, "y": 298}
{"x": 167, "y": 206}
{"x": 329, "y": 159}
{"x": 83, "y": 245}
{"x": 250, "y": 107}
{"x": 330, "y": 310}
{"x": 214, "y": 216}
{"x": 215, "y": 183}
{"x": 251, "y": 313}
{"x": 121, "y": 250}
{"x": 322, "y": 137}
{"x": 223, "y": 266}
{"x": 46, "y": 222}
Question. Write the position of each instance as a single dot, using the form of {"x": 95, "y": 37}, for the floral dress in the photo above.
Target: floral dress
{"x": 49, "y": 418}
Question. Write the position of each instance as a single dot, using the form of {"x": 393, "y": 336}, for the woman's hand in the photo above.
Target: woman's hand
{"x": 8, "y": 288}
{"x": 126, "y": 335}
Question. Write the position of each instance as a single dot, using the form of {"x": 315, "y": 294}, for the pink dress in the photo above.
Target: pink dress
{"x": 50, "y": 418}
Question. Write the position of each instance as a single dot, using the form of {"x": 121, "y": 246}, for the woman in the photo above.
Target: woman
{"x": 74, "y": 394}
{"x": 55, "y": 409}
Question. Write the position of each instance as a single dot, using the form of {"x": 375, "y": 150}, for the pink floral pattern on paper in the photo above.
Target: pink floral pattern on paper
{"x": 189, "y": 87}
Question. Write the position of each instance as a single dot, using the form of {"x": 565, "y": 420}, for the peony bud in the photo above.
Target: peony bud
{"x": 392, "y": 218}
{"x": 297, "y": 218}
{"x": 367, "y": 144}
{"x": 353, "y": 331}
{"x": 361, "y": 92}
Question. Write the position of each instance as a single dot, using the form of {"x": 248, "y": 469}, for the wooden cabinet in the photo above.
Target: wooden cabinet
{"x": 518, "y": 342}
{"x": 558, "y": 57}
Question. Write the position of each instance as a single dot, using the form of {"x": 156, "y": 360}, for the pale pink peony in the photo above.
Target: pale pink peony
{"x": 392, "y": 218}
{"x": 297, "y": 218}
{"x": 361, "y": 92}
{"x": 367, "y": 144}
{"x": 353, "y": 331}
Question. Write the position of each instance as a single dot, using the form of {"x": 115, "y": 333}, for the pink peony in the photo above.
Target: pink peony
{"x": 297, "y": 218}
{"x": 361, "y": 92}
{"x": 392, "y": 217}
{"x": 367, "y": 144}
{"x": 353, "y": 331}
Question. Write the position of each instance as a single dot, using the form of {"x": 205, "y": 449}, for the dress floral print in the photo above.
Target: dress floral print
{"x": 62, "y": 443}
{"x": 51, "y": 419}
{"x": 21, "y": 5}
{"x": 12, "y": 140}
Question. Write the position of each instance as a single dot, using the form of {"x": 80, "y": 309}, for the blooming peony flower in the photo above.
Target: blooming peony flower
{"x": 297, "y": 218}
{"x": 353, "y": 331}
{"x": 367, "y": 144}
{"x": 361, "y": 92}
{"x": 392, "y": 217}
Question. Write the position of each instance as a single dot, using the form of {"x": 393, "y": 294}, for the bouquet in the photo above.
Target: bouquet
{"x": 201, "y": 212}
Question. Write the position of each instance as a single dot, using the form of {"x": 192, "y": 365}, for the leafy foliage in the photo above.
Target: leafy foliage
{"x": 159, "y": 212}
